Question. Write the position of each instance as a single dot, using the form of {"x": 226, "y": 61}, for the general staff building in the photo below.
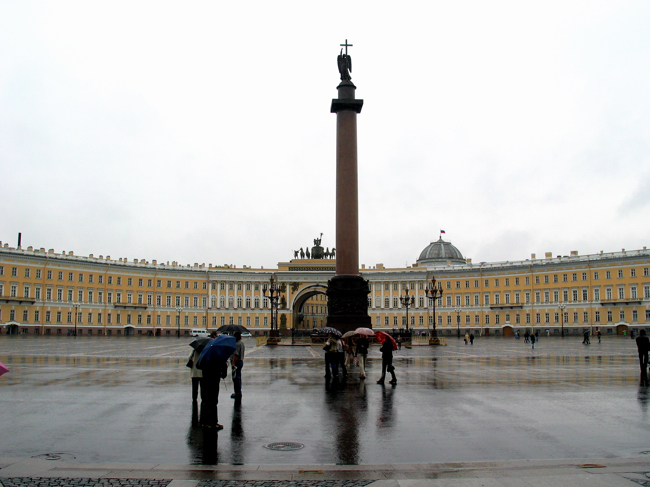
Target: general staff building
{"x": 50, "y": 293}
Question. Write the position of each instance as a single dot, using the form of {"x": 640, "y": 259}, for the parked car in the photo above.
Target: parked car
{"x": 246, "y": 334}
{"x": 200, "y": 333}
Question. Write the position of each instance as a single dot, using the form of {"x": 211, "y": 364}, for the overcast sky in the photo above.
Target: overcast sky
{"x": 201, "y": 131}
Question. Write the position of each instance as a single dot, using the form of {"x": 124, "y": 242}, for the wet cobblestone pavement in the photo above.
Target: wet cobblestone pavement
{"x": 87, "y": 482}
{"x": 81, "y": 482}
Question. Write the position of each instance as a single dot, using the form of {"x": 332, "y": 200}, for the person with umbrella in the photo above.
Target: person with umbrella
{"x": 388, "y": 344}
{"x": 331, "y": 357}
{"x": 195, "y": 373}
{"x": 361, "y": 353}
{"x": 213, "y": 364}
{"x": 237, "y": 361}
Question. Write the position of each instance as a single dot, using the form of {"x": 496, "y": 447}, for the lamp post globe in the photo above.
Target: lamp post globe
{"x": 407, "y": 301}
{"x": 562, "y": 307}
{"x": 178, "y": 323}
{"x": 76, "y": 314}
{"x": 433, "y": 292}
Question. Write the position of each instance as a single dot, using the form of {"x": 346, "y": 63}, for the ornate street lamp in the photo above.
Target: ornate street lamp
{"x": 178, "y": 323}
{"x": 434, "y": 292}
{"x": 562, "y": 307}
{"x": 458, "y": 310}
{"x": 76, "y": 307}
{"x": 407, "y": 301}
{"x": 272, "y": 292}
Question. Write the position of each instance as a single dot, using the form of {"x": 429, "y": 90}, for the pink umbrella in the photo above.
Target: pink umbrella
{"x": 364, "y": 331}
{"x": 3, "y": 369}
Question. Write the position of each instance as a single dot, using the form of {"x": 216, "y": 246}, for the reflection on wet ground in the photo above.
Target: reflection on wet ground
{"x": 495, "y": 401}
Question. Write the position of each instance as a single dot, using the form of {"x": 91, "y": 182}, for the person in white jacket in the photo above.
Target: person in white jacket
{"x": 195, "y": 374}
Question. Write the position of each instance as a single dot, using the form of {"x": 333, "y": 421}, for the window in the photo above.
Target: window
{"x": 632, "y": 272}
{"x": 620, "y": 273}
{"x": 621, "y": 293}
{"x": 545, "y": 279}
{"x": 574, "y": 276}
{"x": 608, "y": 274}
{"x": 595, "y": 275}
{"x": 596, "y": 294}
{"x": 554, "y": 278}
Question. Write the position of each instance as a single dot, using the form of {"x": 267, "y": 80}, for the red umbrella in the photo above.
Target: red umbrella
{"x": 3, "y": 369}
{"x": 382, "y": 337}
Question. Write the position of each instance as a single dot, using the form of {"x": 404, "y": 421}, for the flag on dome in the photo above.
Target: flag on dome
{"x": 442, "y": 231}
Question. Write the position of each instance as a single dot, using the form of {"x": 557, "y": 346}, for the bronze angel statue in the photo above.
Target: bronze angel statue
{"x": 345, "y": 66}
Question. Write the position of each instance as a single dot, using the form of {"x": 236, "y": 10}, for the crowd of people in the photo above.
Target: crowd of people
{"x": 207, "y": 372}
{"x": 342, "y": 353}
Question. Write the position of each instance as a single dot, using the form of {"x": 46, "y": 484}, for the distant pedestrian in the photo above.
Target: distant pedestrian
{"x": 466, "y": 338}
{"x": 387, "y": 362}
{"x": 586, "y": 338}
{"x": 340, "y": 357}
{"x": 399, "y": 343}
{"x": 237, "y": 362}
{"x": 330, "y": 358}
{"x": 532, "y": 340}
{"x": 361, "y": 353}
{"x": 526, "y": 337}
{"x": 598, "y": 334}
{"x": 471, "y": 338}
{"x": 548, "y": 333}
{"x": 643, "y": 345}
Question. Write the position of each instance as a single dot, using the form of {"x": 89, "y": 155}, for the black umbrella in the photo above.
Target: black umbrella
{"x": 199, "y": 343}
{"x": 231, "y": 329}
{"x": 328, "y": 329}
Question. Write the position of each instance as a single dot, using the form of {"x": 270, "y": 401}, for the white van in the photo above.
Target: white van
{"x": 197, "y": 332}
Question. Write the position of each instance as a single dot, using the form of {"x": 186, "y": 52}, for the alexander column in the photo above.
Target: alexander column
{"x": 347, "y": 292}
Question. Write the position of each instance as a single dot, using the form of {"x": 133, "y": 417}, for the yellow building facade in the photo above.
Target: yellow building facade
{"x": 49, "y": 293}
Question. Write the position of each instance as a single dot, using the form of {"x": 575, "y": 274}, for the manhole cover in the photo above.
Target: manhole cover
{"x": 55, "y": 456}
{"x": 284, "y": 446}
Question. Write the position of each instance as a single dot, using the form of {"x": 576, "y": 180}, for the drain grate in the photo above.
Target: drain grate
{"x": 55, "y": 456}
{"x": 284, "y": 446}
